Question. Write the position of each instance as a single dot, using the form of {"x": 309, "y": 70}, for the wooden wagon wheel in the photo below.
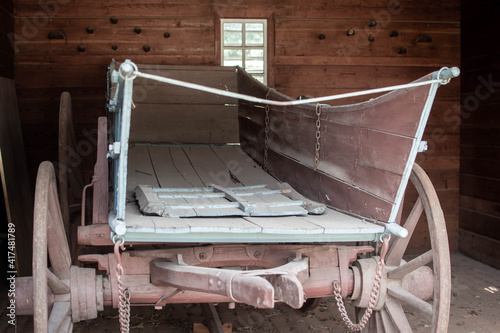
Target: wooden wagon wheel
{"x": 62, "y": 294}
{"x": 69, "y": 170}
{"x": 414, "y": 274}
{"x": 49, "y": 238}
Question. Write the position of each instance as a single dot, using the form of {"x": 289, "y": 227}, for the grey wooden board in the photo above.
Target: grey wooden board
{"x": 182, "y": 163}
{"x": 226, "y": 203}
{"x": 209, "y": 167}
{"x": 285, "y": 225}
{"x": 282, "y": 228}
{"x": 335, "y": 222}
{"x": 168, "y": 173}
{"x": 243, "y": 167}
{"x": 140, "y": 170}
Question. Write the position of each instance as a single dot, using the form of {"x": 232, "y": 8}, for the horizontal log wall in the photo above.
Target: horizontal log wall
{"x": 6, "y": 39}
{"x": 479, "y": 226}
{"x": 425, "y": 36}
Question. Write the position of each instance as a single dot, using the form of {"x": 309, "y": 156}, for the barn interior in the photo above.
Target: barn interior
{"x": 314, "y": 47}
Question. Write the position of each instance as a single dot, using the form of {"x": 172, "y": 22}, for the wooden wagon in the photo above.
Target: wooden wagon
{"x": 224, "y": 190}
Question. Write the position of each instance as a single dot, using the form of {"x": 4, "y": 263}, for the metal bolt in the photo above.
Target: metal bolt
{"x": 257, "y": 254}
{"x": 219, "y": 283}
{"x": 90, "y": 30}
{"x": 350, "y": 32}
{"x": 146, "y": 48}
{"x": 113, "y": 20}
{"x": 322, "y": 36}
{"x": 210, "y": 282}
{"x": 166, "y": 34}
{"x": 372, "y": 24}
{"x": 202, "y": 256}
{"x": 137, "y": 30}
{"x": 370, "y": 38}
{"x": 81, "y": 48}
{"x": 114, "y": 47}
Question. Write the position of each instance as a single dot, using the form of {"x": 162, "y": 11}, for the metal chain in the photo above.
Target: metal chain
{"x": 266, "y": 131}
{"x": 318, "y": 136}
{"x": 337, "y": 290}
{"x": 123, "y": 293}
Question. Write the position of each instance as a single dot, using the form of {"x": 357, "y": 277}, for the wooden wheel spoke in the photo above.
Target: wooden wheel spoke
{"x": 410, "y": 266}
{"x": 386, "y": 325}
{"x": 56, "y": 285}
{"x": 60, "y": 318}
{"x": 398, "y": 248}
{"x": 410, "y": 299}
{"x": 397, "y": 315}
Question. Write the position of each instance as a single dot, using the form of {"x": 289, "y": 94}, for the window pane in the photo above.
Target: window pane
{"x": 233, "y": 39}
{"x": 254, "y": 66}
{"x": 254, "y": 53}
{"x": 259, "y": 78}
{"x": 254, "y": 27}
{"x": 254, "y": 38}
{"x": 233, "y": 26}
{"x": 233, "y": 58}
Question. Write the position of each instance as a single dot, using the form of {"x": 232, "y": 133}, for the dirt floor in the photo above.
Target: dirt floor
{"x": 474, "y": 308}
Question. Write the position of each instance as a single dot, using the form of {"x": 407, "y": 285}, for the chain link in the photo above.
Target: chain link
{"x": 337, "y": 290}
{"x": 318, "y": 136}
{"x": 266, "y": 131}
{"x": 123, "y": 293}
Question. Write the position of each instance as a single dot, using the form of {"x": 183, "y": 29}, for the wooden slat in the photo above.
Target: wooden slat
{"x": 319, "y": 187}
{"x": 155, "y": 123}
{"x": 209, "y": 167}
{"x": 182, "y": 163}
{"x": 303, "y": 9}
{"x": 140, "y": 170}
{"x": 167, "y": 172}
{"x": 479, "y": 247}
{"x": 480, "y": 223}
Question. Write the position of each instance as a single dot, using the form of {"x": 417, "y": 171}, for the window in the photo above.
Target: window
{"x": 244, "y": 43}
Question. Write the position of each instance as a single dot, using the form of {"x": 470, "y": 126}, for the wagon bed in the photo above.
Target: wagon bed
{"x": 163, "y": 166}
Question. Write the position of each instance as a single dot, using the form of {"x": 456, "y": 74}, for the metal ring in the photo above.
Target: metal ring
{"x": 444, "y": 81}
{"x": 115, "y": 238}
{"x": 382, "y": 236}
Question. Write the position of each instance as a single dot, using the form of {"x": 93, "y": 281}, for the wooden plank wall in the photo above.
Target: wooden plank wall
{"x": 425, "y": 36}
{"x": 6, "y": 39}
{"x": 479, "y": 228}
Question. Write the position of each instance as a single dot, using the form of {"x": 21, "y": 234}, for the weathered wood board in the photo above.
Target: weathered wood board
{"x": 16, "y": 187}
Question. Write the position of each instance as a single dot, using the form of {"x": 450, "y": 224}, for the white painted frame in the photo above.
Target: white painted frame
{"x": 243, "y": 47}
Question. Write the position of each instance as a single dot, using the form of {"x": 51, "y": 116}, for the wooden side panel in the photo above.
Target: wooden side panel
{"x": 170, "y": 114}
{"x": 363, "y": 147}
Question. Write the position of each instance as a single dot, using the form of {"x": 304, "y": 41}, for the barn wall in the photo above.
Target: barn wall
{"x": 425, "y": 36}
{"x": 6, "y": 40}
{"x": 479, "y": 228}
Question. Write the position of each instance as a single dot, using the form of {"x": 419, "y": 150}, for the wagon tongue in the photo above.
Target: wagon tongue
{"x": 259, "y": 288}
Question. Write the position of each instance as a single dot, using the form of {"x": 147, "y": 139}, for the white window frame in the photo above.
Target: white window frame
{"x": 243, "y": 47}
